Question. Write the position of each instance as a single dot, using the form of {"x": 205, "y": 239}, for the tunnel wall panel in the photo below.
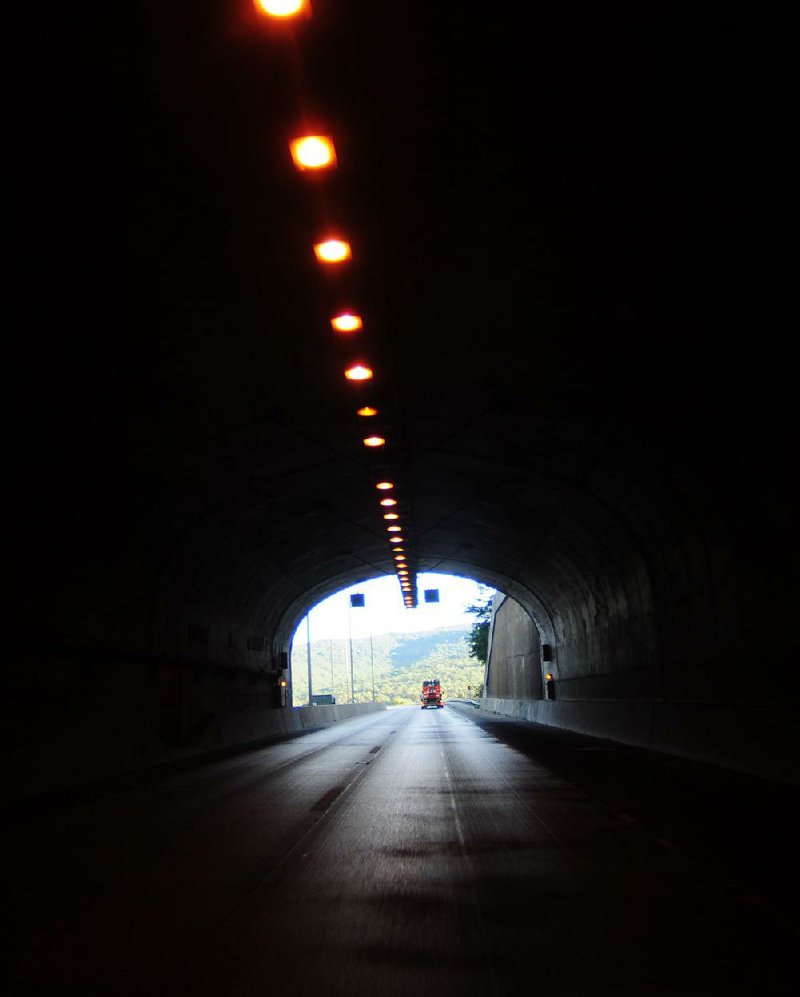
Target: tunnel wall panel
{"x": 760, "y": 740}
{"x": 515, "y": 665}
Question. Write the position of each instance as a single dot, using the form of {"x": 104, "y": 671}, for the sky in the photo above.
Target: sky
{"x": 384, "y": 611}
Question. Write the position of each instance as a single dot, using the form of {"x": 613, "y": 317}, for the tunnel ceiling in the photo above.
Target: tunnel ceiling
{"x": 553, "y": 256}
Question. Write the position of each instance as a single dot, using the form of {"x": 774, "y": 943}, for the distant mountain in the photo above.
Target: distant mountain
{"x": 413, "y": 647}
{"x": 394, "y": 664}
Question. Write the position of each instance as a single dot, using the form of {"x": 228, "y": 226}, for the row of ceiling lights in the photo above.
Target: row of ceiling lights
{"x": 316, "y": 154}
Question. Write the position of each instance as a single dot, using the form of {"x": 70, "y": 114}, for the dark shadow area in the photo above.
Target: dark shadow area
{"x": 44, "y": 804}
{"x": 730, "y": 825}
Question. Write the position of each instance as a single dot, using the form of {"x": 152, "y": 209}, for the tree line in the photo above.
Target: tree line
{"x": 394, "y": 666}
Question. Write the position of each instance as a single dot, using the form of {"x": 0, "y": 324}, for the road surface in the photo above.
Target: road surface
{"x": 408, "y": 852}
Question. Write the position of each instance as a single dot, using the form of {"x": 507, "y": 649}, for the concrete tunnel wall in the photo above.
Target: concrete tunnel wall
{"x": 602, "y": 429}
{"x": 666, "y": 599}
{"x": 752, "y": 733}
{"x": 665, "y": 593}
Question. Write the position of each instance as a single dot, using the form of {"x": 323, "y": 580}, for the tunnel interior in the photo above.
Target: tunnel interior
{"x": 562, "y": 255}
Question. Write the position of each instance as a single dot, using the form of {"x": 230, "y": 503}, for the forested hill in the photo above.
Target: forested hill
{"x": 396, "y": 663}
{"x": 414, "y": 648}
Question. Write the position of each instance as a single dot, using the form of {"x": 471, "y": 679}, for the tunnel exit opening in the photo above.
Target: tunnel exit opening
{"x": 361, "y": 645}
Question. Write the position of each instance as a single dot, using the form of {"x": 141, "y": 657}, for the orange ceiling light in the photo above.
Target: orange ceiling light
{"x": 358, "y": 372}
{"x": 390, "y": 515}
{"x": 366, "y": 411}
{"x": 283, "y": 9}
{"x": 384, "y": 486}
{"x": 347, "y": 322}
{"x": 388, "y": 501}
{"x": 396, "y": 540}
{"x": 374, "y": 441}
{"x": 393, "y": 529}
{"x": 333, "y": 251}
{"x": 313, "y": 152}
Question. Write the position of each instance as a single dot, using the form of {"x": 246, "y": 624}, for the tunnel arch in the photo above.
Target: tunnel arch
{"x": 586, "y": 402}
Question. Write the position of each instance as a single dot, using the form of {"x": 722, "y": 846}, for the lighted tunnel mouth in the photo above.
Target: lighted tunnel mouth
{"x": 349, "y": 658}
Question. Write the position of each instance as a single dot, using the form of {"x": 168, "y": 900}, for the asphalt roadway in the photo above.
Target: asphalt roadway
{"x": 409, "y": 852}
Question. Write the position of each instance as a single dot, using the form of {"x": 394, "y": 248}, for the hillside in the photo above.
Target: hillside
{"x": 399, "y": 663}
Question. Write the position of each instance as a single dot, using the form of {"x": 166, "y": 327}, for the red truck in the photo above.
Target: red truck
{"x": 431, "y": 694}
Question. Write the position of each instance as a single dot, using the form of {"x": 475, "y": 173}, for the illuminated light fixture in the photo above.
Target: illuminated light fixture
{"x": 366, "y": 411}
{"x": 347, "y": 322}
{"x": 384, "y": 486}
{"x": 390, "y": 515}
{"x": 395, "y": 540}
{"x": 374, "y": 441}
{"x": 313, "y": 152}
{"x": 283, "y": 9}
{"x": 333, "y": 251}
{"x": 393, "y": 529}
{"x": 398, "y": 550}
{"x": 388, "y": 501}
{"x": 358, "y": 372}
{"x": 400, "y": 559}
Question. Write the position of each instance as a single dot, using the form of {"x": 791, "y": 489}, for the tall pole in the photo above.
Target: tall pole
{"x": 372, "y": 664}
{"x": 350, "y": 637}
{"x": 308, "y": 654}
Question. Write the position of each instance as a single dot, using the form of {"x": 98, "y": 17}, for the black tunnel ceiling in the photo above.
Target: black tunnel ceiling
{"x": 558, "y": 218}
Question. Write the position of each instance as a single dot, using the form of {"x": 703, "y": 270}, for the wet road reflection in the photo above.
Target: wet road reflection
{"x": 408, "y": 852}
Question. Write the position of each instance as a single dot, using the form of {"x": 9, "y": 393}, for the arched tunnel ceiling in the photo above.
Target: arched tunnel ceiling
{"x": 557, "y": 294}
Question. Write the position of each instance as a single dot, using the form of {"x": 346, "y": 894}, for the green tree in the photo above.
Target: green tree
{"x": 477, "y": 639}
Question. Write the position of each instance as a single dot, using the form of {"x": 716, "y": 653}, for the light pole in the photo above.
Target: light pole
{"x": 308, "y": 654}
{"x": 350, "y": 639}
{"x": 356, "y": 599}
{"x": 372, "y": 665}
